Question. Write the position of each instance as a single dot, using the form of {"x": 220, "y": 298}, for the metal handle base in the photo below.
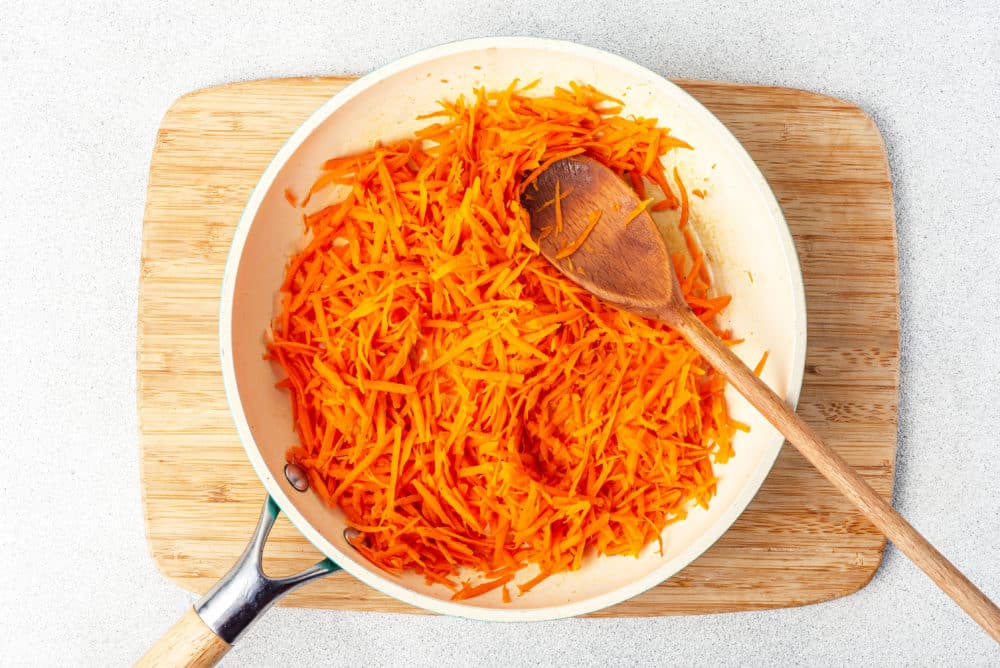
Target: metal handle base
{"x": 245, "y": 592}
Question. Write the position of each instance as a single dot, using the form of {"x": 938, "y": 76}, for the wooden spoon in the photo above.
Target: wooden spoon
{"x": 628, "y": 266}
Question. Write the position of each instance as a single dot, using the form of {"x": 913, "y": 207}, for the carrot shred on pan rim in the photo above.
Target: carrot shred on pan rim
{"x": 470, "y": 410}
{"x": 684, "y": 199}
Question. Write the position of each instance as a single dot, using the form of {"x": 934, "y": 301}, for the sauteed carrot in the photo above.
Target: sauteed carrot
{"x": 467, "y": 407}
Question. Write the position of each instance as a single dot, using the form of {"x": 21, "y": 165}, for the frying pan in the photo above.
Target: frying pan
{"x": 740, "y": 226}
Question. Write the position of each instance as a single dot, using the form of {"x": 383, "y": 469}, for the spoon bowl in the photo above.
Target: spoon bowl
{"x": 625, "y": 264}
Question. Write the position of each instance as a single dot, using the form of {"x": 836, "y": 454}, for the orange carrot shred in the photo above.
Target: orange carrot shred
{"x": 658, "y": 177}
{"x": 595, "y": 216}
{"x": 559, "y": 215}
{"x": 637, "y": 183}
{"x": 634, "y": 213}
{"x": 527, "y": 586}
{"x": 684, "y": 199}
{"x": 760, "y": 365}
{"x": 478, "y": 590}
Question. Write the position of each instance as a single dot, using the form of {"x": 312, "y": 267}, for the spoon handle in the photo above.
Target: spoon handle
{"x": 847, "y": 481}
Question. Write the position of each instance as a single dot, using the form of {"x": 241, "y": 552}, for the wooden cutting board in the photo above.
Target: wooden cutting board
{"x": 798, "y": 542}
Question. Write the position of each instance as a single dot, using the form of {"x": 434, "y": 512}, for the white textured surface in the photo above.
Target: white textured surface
{"x": 83, "y": 93}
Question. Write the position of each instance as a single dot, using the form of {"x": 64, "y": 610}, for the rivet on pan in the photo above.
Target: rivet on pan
{"x": 350, "y": 535}
{"x": 296, "y": 477}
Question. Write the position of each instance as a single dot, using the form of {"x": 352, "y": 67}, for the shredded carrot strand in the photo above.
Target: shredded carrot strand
{"x": 684, "y": 199}
{"x": 470, "y": 410}
{"x": 760, "y": 365}
{"x": 530, "y": 584}
{"x": 595, "y": 216}
{"x": 637, "y": 183}
{"x": 480, "y": 589}
{"x": 634, "y": 213}
{"x": 559, "y": 214}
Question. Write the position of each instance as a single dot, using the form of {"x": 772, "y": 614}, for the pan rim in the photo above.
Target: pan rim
{"x": 348, "y": 562}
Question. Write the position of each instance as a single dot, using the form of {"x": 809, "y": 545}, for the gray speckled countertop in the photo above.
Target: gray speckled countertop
{"x": 83, "y": 94}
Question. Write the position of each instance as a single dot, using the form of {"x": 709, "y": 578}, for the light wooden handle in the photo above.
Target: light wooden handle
{"x": 837, "y": 471}
{"x": 189, "y": 642}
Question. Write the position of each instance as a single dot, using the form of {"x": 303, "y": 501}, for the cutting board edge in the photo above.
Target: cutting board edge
{"x": 199, "y": 586}
{"x": 831, "y": 101}
{"x": 181, "y": 103}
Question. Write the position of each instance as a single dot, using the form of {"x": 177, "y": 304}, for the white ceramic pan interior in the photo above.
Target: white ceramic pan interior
{"x": 740, "y": 224}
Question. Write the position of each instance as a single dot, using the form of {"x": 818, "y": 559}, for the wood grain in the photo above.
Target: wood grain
{"x": 799, "y": 541}
{"x": 189, "y": 642}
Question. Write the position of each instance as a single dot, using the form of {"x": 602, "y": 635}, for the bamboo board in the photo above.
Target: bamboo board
{"x": 799, "y": 542}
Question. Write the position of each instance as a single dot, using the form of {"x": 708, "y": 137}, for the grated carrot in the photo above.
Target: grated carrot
{"x": 559, "y": 215}
{"x": 684, "y": 199}
{"x": 634, "y": 213}
{"x": 760, "y": 365}
{"x": 530, "y": 584}
{"x": 637, "y": 183}
{"x": 470, "y": 410}
{"x": 595, "y": 216}
{"x": 478, "y": 590}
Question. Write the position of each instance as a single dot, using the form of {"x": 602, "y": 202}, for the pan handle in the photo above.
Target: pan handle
{"x": 208, "y": 630}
